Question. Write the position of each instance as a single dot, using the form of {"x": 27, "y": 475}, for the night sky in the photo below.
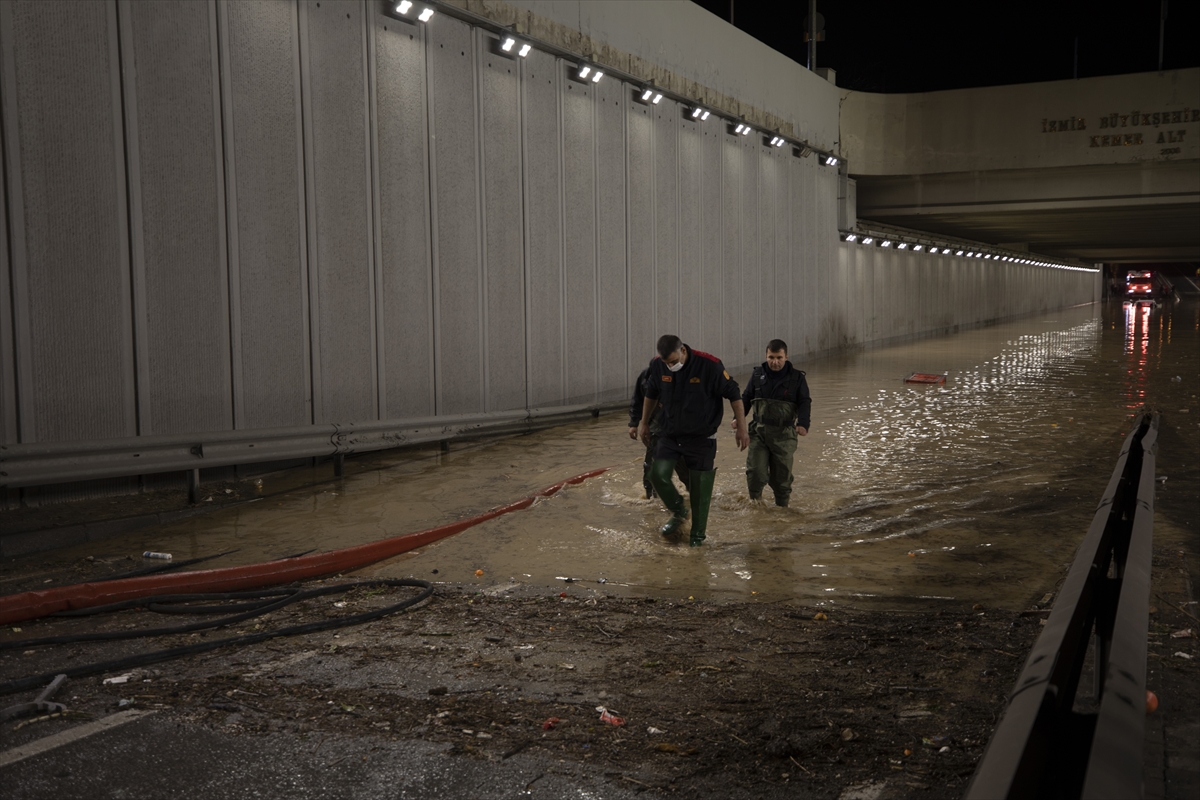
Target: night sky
{"x": 927, "y": 46}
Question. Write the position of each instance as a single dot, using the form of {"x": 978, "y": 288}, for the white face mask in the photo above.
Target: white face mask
{"x": 678, "y": 365}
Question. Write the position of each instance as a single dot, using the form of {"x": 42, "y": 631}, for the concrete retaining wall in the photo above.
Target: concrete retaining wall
{"x": 227, "y": 216}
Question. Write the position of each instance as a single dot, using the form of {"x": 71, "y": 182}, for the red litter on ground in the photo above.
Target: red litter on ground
{"x": 925, "y": 377}
{"x": 609, "y": 718}
{"x": 550, "y": 723}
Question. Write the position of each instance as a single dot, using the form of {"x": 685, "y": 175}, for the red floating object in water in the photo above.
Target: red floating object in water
{"x": 925, "y": 377}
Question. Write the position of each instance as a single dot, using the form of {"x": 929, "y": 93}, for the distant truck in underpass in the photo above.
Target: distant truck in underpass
{"x": 1147, "y": 285}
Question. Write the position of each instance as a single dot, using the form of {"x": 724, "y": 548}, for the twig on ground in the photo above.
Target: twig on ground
{"x": 518, "y": 748}
{"x": 798, "y": 764}
{"x": 1178, "y": 608}
{"x": 726, "y": 727}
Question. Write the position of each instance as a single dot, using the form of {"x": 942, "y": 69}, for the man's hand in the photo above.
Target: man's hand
{"x": 801, "y": 430}
{"x": 633, "y": 432}
{"x": 740, "y": 432}
{"x": 643, "y": 433}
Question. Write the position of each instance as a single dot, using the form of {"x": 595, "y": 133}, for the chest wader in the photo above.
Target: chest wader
{"x": 772, "y": 448}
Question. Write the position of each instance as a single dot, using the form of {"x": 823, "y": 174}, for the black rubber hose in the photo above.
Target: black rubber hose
{"x": 157, "y": 568}
{"x": 21, "y": 684}
{"x": 156, "y": 604}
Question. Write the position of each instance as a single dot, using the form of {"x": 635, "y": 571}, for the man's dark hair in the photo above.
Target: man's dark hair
{"x": 668, "y": 343}
{"x": 775, "y": 345}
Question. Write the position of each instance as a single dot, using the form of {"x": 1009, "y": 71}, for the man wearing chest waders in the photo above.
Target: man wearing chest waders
{"x": 689, "y": 387}
{"x": 778, "y": 394}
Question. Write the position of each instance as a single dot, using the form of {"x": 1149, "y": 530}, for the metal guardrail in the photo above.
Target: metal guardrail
{"x": 1043, "y": 747}
{"x": 38, "y": 464}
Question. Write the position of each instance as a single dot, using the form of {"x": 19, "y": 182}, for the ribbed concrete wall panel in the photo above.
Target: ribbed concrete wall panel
{"x": 8, "y": 364}
{"x": 610, "y": 242}
{"x": 405, "y": 262}
{"x": 860, "y": 289}
{"x": 783, "y": 247}
{"x": 826, "y": 228}
{"x": 644, "y": 328}
{"x": 269, "y": 284}
{"x": 340, "y": 242}
{"x": 803, "y": 280}
{"x": 177, "y": 212}
{"x": 751, "y": 255}
{"x": 666, "y": 216}
{"x": 712, "y": 253}
{"x": 456, "y": 199}
{"x": 74, "y": 340}
{"x": 579, "y": 231}
{"x": 816, "y": 276}
{"x": 731, "y": 244}
{"x": 692, "y": 325}
{"x": 543, "y": 228}
{"x": 504, "y": 252}
{"x": 765, "y": 311}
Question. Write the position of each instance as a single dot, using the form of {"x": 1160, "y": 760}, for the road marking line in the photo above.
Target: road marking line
{"x": 276, "y": 666}
{"x": 66, "y": 737}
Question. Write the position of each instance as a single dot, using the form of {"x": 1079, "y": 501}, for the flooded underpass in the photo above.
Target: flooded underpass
{"x": 975, "y": 491}
{"x": 860, "y": 643}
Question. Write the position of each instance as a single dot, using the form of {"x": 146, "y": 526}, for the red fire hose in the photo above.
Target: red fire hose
{"x": 39, "y": 603}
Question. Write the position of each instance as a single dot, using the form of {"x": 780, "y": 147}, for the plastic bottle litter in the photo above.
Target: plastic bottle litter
{"x": 611, "y": 719}
{"x": 152, "y": 554}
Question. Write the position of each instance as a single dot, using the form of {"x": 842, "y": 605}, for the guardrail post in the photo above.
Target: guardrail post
{"x": 339, "y": 465}
{"x": 194, "y": 486}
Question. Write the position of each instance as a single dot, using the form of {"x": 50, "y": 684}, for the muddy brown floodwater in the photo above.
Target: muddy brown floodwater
{"x": 858, "y": 644}
{"x": 975, "y": 491}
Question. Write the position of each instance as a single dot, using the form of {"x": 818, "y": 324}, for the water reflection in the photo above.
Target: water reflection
{"x": 976, "y": 491}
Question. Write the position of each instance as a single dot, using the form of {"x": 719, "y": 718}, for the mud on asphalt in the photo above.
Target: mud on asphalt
{"x": 716, "y": 700}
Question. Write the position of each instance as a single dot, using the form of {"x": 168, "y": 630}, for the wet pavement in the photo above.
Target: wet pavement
{"x": 908, "y": 497}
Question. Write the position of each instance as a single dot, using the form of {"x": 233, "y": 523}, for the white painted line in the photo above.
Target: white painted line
{"x": 276, "y": 666}
{"x": 66, "y": 737}
{"x": 865, "y": 791}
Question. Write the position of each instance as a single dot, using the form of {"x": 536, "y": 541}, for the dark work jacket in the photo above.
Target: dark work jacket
{"x": 790, "y": 386}
{"x": 639, "y": 394}
{"x": 690, "y": 400}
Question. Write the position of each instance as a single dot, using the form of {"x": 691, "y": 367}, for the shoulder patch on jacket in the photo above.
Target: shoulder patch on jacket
{"x": 726, "y": 374}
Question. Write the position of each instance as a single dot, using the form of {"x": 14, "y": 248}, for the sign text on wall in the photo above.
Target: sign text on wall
{"x": 1134, "y": 119}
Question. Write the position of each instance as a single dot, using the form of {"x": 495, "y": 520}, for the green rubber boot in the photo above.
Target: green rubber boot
{"x": 702, "y": 490}
{"x": 660, "y": 479}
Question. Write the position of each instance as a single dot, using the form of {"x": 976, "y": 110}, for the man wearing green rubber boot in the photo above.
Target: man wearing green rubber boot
{"x": 688, "y": 386}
